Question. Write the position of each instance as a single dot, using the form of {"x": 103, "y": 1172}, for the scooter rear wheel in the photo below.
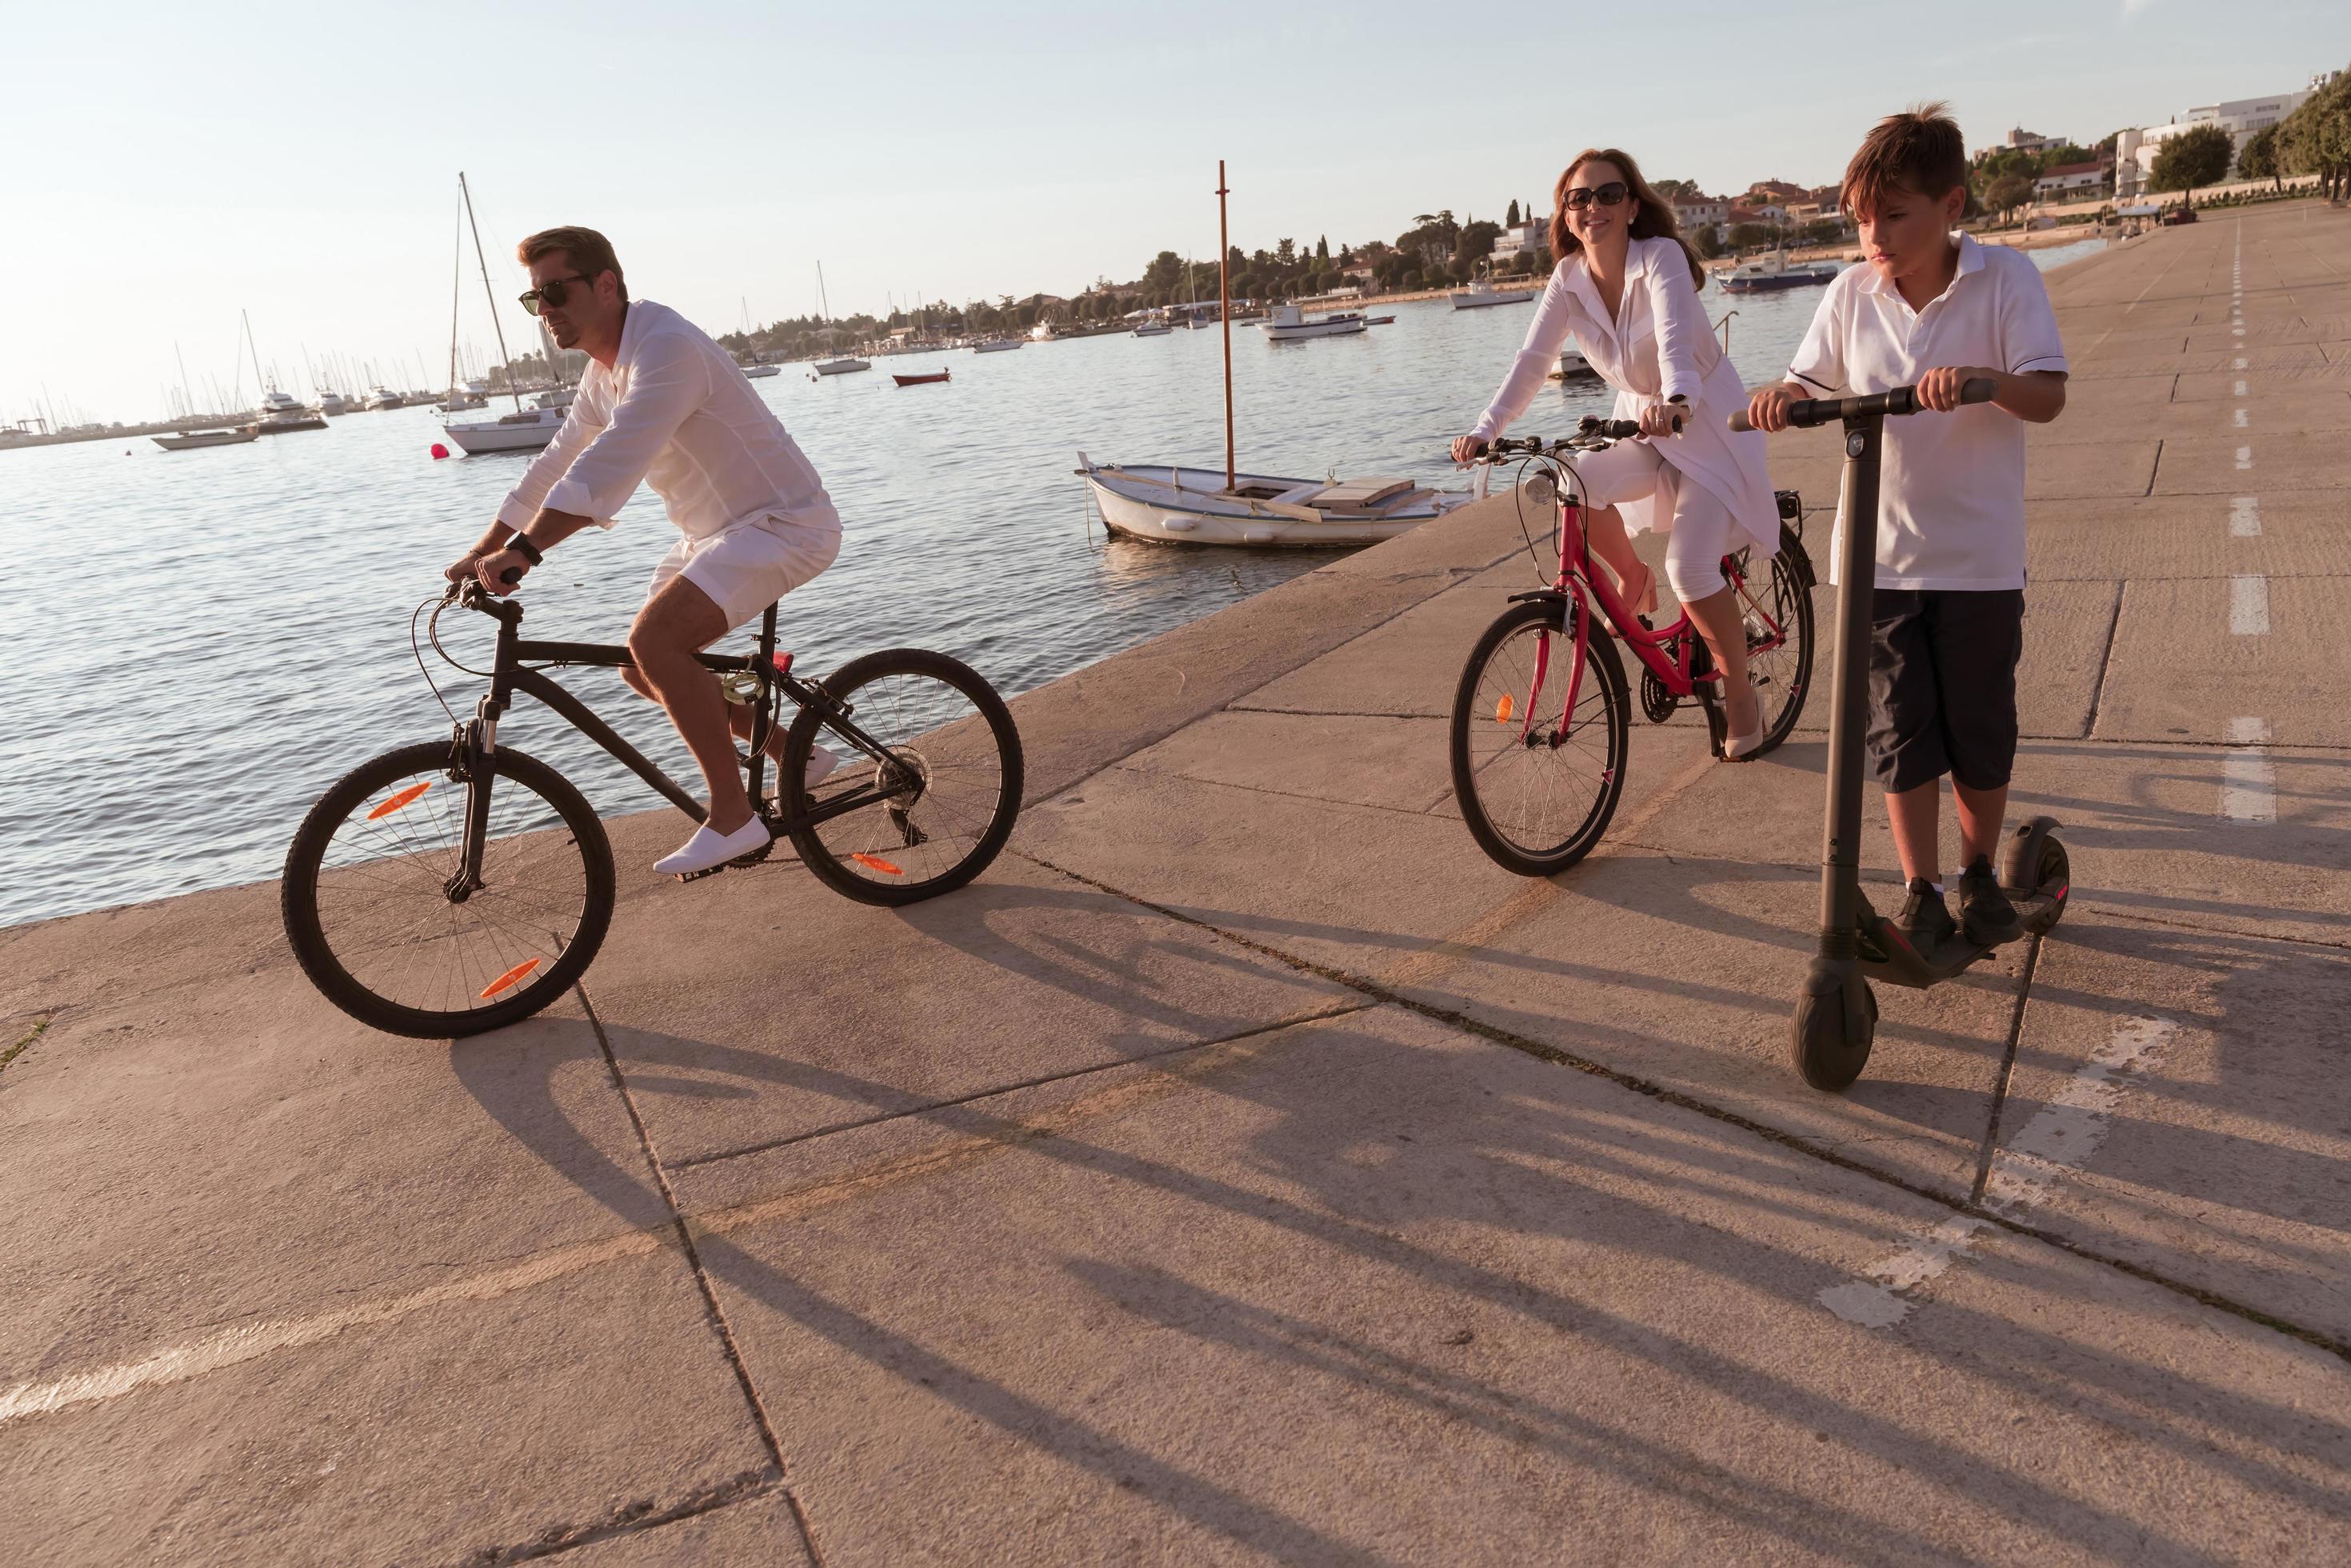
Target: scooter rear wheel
{"x": 2038, "y": 863}
{"x": 1827, "y": 1052}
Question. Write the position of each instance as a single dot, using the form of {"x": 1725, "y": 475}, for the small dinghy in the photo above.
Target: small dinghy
{"x": 919, "y": 381}
{"x": 1174, "y": 504}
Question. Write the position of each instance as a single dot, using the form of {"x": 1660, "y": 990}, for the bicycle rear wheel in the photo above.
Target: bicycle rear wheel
{"x": 940, "y": 805}
{"x": 1538, "y": 790}
{"x": 1782, "y": 675}
{"x": 370, "y": 909}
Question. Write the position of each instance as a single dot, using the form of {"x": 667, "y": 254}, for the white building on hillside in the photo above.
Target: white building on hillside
{"x": 1695, "y": 214}
{"x": 1530, "y": 235}
{"x": 2134, "y": 150}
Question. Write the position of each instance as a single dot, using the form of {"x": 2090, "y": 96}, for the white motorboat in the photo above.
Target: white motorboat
{"x": 1174, "y": 505}
{"x": 330, "y": 404}
{"x": 1773, "y": 272}
{"x": 279, "y": 413}
{"x": 383, "y": 397}
{"x": 1153, "y": 328}
{"x": 555, "y": 397}
{"x": 1575, "y": 367}
{"x": 997, "y": 345}
{"x": 525, "y": 432}
{"x": 1044, "y": 332}
{"x": 841, "y": 367}
{"x": 459, "y": 399}
{"x": 189, "y": 440}
{"x": 755, "y": 371}
{"x": 1482, "y": 292}
{"x": 1287, "y": 322}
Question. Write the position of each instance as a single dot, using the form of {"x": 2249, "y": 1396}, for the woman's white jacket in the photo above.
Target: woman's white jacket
{"x": 1658, "y": 345}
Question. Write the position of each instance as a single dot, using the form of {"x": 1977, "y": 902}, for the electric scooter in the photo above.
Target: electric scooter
{"x": 1837, "y": 1012}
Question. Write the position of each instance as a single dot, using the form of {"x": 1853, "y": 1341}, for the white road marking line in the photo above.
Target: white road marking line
{"x": 250, "y": 1342}
{"x": 2244, "y": 517}
{"x": 2059, "y": 1138}
{"x": 2240, "y": 389}
{"x": 2244, "y": 457}
{"x": 2248, "y": 784}
{"x": 2241, "y": 419}
{"x": 2241, "y": 361}
{"x": 2238, "y": 331}
{"x": 2249, "y": 605}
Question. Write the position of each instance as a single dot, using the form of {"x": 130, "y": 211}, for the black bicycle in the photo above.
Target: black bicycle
{"x": 456, "y": 886}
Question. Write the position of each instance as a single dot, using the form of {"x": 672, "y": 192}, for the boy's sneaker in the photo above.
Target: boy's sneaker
{"x": 1923, "y": 920}
{"x": 1985, "y": 914}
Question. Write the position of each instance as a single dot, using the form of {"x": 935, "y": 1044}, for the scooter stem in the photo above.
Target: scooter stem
{"x": 1849, "y": 686}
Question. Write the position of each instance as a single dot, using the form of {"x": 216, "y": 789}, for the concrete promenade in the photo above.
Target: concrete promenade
{"x": 1247, "y": 1169}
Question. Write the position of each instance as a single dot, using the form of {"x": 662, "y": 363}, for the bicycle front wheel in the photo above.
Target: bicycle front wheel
{"x": 933, "y": 808}
{"x": 1538, "y": 784}
{"x": 389, "y": 929}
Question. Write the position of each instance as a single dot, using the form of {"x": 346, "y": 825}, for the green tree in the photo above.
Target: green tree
{"x": 1745, "y": 235}
{"x": 1669, "y": 189}
{"x": 2008, "y": 192}
{"x": 1476, "y": 241}
{"x": 2259, "y": 158}
{"x": 2198, "y": 155}
{"x": 1510, "y": 218}
{"x": 1709, "y": 241}
{"x": 1323, "y": 248}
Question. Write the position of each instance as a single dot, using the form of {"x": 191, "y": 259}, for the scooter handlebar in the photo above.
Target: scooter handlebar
{"x": 1806, "y": 413}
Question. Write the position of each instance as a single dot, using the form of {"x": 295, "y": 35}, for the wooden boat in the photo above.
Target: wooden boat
{"x": 919, "y": 381}
{"x": 1172, "y": 504}
{"x": 1379, "y": 321}
{"x": 189, "y": 440}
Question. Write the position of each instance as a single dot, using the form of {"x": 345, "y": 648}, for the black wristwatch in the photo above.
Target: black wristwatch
{"x": 527, "y": 551}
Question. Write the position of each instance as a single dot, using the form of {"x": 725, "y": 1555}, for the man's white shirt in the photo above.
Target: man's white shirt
{"x": 1950, "y": 485}
{"x": 675, "y": 411}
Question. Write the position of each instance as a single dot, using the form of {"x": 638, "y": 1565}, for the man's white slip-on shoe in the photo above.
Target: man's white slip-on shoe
{"x": 709, "y": 848}
{"x": 820, "y": 765}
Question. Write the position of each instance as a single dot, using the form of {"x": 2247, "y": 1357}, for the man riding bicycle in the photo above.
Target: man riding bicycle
{"x": 663, "y": 405}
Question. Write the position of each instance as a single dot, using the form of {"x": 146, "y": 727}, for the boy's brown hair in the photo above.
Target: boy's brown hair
{"x": 592, "y": 252}
{"x": 1919, "y": 150}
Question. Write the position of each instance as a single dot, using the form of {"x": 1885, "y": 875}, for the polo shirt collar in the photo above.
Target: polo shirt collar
{"x": 1971, "y": 260}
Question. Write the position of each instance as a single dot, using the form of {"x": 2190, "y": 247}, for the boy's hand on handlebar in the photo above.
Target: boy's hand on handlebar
{"x": 1768, "y": 409}
{"x": 1468, "y": 448}
{"x": 492, "y": 569}
{"x": 1939, "y": 389}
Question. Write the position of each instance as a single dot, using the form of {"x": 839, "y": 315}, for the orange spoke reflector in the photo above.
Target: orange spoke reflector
{"x": 508, "y": 978}
{"x": 397, "y": 801}
{"x": 877, "y": 863}
{"x": 1502, "y": 709}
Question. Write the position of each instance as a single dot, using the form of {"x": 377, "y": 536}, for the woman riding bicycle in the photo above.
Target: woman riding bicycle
{"x": 1626, "y": 287}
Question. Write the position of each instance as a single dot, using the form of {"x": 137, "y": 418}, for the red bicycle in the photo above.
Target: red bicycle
{"x": 1538, "y": 751}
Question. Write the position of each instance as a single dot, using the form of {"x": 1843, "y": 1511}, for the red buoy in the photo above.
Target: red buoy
{"x": 439, "y": 451}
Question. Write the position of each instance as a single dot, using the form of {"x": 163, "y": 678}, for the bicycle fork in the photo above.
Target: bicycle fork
{"x": 470, "y": 750}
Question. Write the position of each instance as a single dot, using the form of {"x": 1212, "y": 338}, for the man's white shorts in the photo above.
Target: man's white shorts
{"x": 746, "y": 567}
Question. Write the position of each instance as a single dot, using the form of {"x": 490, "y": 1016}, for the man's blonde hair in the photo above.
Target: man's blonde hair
{"x": 590, "y": 253}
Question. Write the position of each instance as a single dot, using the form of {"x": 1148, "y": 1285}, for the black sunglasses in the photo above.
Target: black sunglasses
{"x": 554, "y": 292}
{"x": 1607, "y": 195}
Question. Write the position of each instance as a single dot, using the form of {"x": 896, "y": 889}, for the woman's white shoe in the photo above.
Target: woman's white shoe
{"x": 820, "y": 766}
{"x": 1740, "y": 748}
{"x": 710, "y": 848}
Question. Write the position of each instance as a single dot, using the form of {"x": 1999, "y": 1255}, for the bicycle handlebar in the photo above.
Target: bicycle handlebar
{"x": 1805, "y": 412}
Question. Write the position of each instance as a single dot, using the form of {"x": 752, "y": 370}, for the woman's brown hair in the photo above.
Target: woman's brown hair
{"x": 1653, "y": 215}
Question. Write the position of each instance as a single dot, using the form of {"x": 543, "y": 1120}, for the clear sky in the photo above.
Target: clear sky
{"x": 162, "y": 166}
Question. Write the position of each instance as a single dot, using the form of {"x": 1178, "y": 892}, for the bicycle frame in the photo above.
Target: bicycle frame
{"x": 1579, "y": 588}
{"x": 518, "y": 668}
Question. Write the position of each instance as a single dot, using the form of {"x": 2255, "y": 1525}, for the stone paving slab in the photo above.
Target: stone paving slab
{"x": 880, "y": 1012}
{"x": 2301, "y": 535}
{"x": 1414, "y": 1297}
{"x": 2227, "y": 1164}
{"x": 2180, "y": 672}
{"x": 488, "y": 1422}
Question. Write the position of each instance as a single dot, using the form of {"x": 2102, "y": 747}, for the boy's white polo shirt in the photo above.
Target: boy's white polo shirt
{"x": 1950, "y": 485}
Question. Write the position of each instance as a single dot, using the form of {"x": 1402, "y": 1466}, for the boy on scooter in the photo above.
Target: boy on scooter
{"x": 1933, "y": 308}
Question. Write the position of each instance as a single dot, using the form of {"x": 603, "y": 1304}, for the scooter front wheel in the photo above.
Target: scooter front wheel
{"x": 1830, "y": 1036}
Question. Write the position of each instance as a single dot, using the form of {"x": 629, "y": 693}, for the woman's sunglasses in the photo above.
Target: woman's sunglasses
{"x": 554, "y": 292}
{"x": 1607, "y": 195}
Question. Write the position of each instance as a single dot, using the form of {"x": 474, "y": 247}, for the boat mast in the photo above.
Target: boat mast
{"x": 1224, "y": 297}
{"x": 247, "y": 322}
{"x": 823, "y": 302}
{"x": 496, "y": 325}
{"x": 456, "y": 278}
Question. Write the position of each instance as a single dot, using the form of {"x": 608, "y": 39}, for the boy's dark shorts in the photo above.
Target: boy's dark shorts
{"x": 1942, "y": 686}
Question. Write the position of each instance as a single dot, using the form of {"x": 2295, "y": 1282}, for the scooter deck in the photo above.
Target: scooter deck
{"x": 1886, "y": 954}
